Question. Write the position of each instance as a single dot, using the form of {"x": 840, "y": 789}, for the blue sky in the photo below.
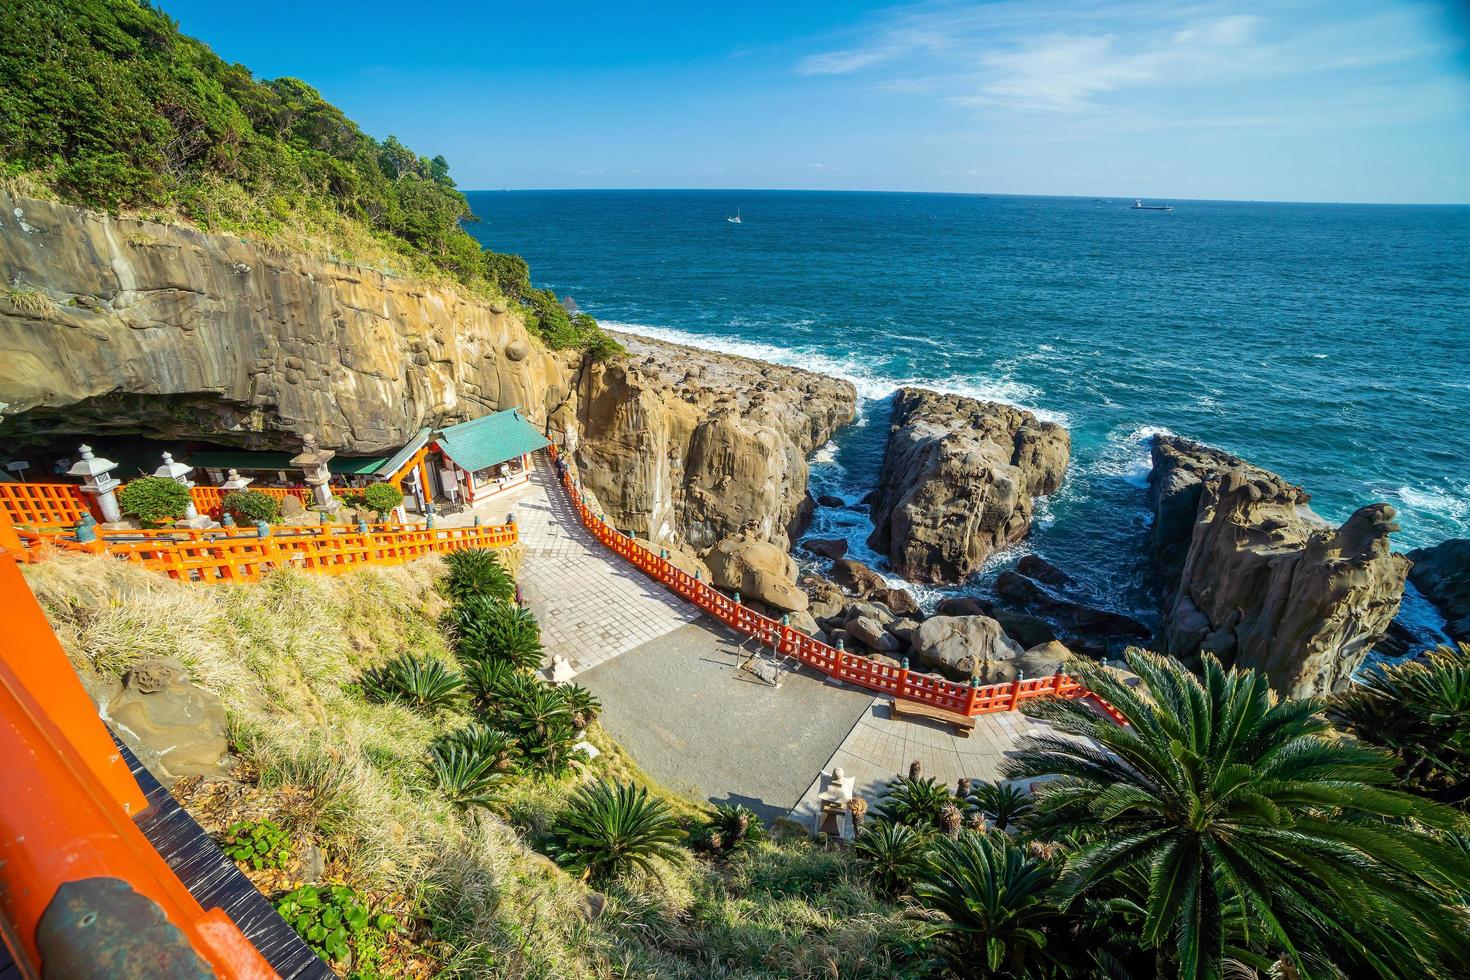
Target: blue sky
{"x": 1337, "y": 100}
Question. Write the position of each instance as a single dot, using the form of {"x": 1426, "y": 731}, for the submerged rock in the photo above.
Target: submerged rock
{"x": 1442, "y": 573}
{"x": 1073, "y": 616}
{"x": 1252, "y": 575}
{"x": 958, "y": 480}
{"x": 833, "y": 548}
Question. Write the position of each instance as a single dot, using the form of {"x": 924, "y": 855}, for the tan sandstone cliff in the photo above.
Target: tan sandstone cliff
{"x": 136, "y": 328}
{"x": 958, "y": 480}
{"x": 1252, "y": 575}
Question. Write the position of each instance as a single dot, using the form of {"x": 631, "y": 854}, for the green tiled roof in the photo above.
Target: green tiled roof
{"x": 491, "y": 439}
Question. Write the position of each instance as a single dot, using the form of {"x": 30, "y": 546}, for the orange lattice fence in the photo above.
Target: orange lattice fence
{"x": 44, "y": 504}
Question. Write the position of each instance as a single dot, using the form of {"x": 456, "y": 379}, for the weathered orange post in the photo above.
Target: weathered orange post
{"x": 1015, "y": 694}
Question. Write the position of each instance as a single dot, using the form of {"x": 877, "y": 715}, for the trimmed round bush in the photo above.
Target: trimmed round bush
{"x": 250, "y": 506}
{"x": 154, "y": 499}
{"x": 382, "y": 497}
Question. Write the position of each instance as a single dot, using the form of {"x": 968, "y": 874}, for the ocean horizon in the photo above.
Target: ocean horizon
{"x": 1320, "y": 341}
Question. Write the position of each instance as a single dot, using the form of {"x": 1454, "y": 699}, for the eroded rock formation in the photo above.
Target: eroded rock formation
{"x": 958, "y": 480}
{"x": 757, "y": 569}
{"x": 118, "y": 326}
{"x": 1252, "y": 575}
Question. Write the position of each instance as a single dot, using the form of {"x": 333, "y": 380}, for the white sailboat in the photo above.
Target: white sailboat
{"x": 734, "y": 219}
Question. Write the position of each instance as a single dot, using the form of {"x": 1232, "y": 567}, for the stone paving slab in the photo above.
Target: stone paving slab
{"x": 697, "y": 723}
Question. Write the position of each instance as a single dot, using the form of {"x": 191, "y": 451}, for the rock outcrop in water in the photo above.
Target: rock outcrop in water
{"x": 133, "y": 328}
{"x": 1442, "y": 573}
{"x": 958, "y": 480}
{"x": 1252, "y": 575}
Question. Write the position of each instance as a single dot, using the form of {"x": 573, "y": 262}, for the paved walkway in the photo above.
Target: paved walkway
{"x": 701, "y": 726}
{"x": 592, "y": 605}
{"x": 879, "y": 748}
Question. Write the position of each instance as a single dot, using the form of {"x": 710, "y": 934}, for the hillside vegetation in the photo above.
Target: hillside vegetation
{"x": 106, "y": 105}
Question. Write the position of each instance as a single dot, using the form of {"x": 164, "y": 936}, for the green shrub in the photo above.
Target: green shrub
{"x": 251, "y": 506}
{"x": 489, "y": 629}
{"x": 732, "y": 827}
{"x": 333, "y": 919}
{"x": 1002, "y": 802}
{"x": 541, "y": 720}
{"x": 892, "y": 853}
{"x": 260, "y": 844}
{"x": 478, "y": 572}
{"x": 916, "y": 802}
{"x": 482, "y": 740}
{"x": 422, "y": 684}
{"x": 487, "y": 680}
{"x": 582, "y": 703}
{"x": 382, "y": 497}
{"x": 609, "y": 830}
{"x": 466, "y": 775}
{"x": 154, "y": 499}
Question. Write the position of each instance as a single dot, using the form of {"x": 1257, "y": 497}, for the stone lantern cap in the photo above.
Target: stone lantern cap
{"x": 236, "y": 481}
{"x": 173, "y": 469}
{"x": 838, "y": 787}
{"x": 90, "y": 465}
{"x": 311, "y": 454}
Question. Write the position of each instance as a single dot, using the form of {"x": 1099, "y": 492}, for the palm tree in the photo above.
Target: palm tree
{"x": 609, "y": 830}
{"x": 1224, "y": 794}
{"x": 892, "y": 853}
{"x": 1002, "y": 801}
{"x": 1419, "y": 711}
{"x": 994, "y": 898}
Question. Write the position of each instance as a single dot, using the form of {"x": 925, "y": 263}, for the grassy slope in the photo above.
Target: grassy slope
{"x": 347, "y": 775}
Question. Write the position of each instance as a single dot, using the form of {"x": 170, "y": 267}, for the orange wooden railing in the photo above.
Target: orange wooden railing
{"x": 241, "y": 555}
{"x": 841, "y": 664}
{"x": 61, "y": 505}
{"x": 67, "y": 803}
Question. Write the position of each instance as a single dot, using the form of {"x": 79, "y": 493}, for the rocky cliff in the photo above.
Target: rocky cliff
{"x": 1252, "y": 575}
{"x": 1442, "y": 573}
{"x": 118, "y": 326}
{"x": 958, "y": 480}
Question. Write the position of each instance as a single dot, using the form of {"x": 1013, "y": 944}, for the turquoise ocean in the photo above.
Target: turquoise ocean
{"x": 1325, "y": 342}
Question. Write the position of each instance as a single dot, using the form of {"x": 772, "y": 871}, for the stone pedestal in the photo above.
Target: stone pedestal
{"x": 96, "y": 483}
{"x": 313, "y": 461}
{"x": 833, "y": 818}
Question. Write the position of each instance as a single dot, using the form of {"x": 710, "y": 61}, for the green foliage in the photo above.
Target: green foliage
{"x": 260, "y": 844}
{"x": 892, "y": 854}
{"x": 477, "y": 572}
{"x": 538, "y": 715}
{"x": 28, "y": 301}
{"x": 154, "y": 499}
{"x": 1002, "y": 802}
{"x": 251, "y": 506}
{"x": 583, "y": 704}
{"x": 487, "y": 680}
{"x": 732, "y": 827}
{"x": 381, "y": 497}
{"x": 1226, "y": 796}
{"x": 487, "y": 628}
{"x": 609, "y": 830}
{"x": 916, "y": 802}
{"x": 467, "y": 769}
{"x": 994, "y": 899}
{"x": 423, "y": 684}
{"x": 1419, "y": 711}
{"x": 333, "y": 919}
{"x": 107, "y": 104}
{"x": 550, "y": 321}
{"x": 482, "y": 740}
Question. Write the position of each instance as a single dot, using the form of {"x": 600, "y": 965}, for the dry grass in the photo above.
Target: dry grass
{"x": 31, "y": 302}
{"x": 347, "y": 775}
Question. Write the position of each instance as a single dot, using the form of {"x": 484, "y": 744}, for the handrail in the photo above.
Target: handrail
{"x": 67, "y": 801}
{"x": 222, "y": 555}
{"x": 899, "y": 682}
{"x": 59, "y": 506}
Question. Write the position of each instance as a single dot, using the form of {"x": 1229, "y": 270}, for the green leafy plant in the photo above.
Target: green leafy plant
{"x": 482, "y": 740}
{"x": 250, "y": 506}
{"x": 917, "y": 802}
{"x": 1002, "y": 802}
{"x": 994, "y": 899}
{"x": 732, "y": 827}
{"x": 892, "y": 853}
{"x": 582, "y": 703}
{"x": 609, "y": 830}
{"x": 332, "y": 919}
{"x": 477, "y": 572}
{"x": 423, "y": 684}
{"x": 259, "y": 843}
{"x": 1225, "y": 794}
{"x": 1419, "y": 711}
{"x": 538, "y": 716}
{"x": 467, "y": 774}
{"x": 381, "y": 497}
{"x": 154, "y": 499}
{"x": 490, "y": 629}
{"x": 489, "y": 680}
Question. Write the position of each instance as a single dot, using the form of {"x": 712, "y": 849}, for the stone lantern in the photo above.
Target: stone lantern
{"x": 97, "y": 484}
{"x": 833, "y": 817}
{"x": 236, "y": 482}
{"x": 313, "y": 462}
{"x": 179, "y": 473}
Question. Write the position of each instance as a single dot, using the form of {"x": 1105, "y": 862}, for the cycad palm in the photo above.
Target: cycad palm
{"x": 1222, "y": 793}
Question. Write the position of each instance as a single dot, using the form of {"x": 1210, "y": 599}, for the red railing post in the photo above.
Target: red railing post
{"x": 1015, "y": 694}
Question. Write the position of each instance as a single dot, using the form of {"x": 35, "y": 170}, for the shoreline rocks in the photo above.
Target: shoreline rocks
{"x": 1252, "y": 575}
{"x": 957, "y": 482}
{"x": 1442, "y": 573}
